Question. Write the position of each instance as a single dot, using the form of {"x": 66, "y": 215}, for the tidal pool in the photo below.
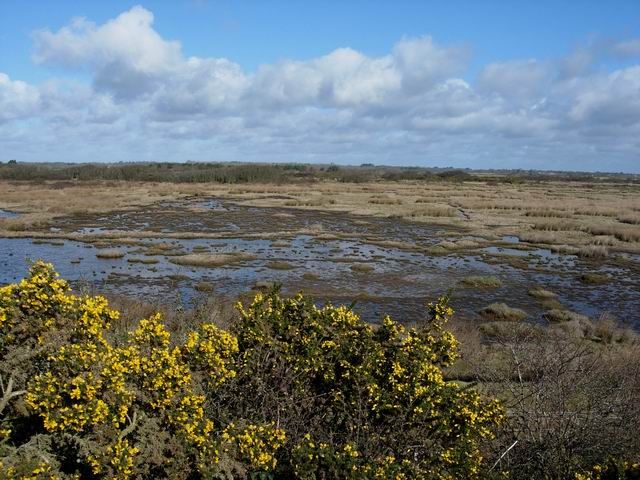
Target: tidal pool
{"x": 344, "y": 259}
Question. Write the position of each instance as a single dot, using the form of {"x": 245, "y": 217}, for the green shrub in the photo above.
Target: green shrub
{"x": 360, "y": 401}
{"x": 297, "y": 392}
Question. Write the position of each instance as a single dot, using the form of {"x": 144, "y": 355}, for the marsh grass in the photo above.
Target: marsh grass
{"x": 561, "y": 315}
{"x": 362, "y": 268}
{"x": 280, "y": 265}
{"x": 434, "y": 211}
{"x": 143, "y": 260}
{"x": 624, "y": 233}
{"x": 593, "y": 278}
{"x": 481, "y": 281}
{"x": 548, "y": 212}
{"x": 512, "y": 331}
{"x": 630, "y": 218}
{"x": 211, "y": 260}
{"x": 280, "y": 243}
{"x": 203, "y": 286}
{"x": 48, "y": 241}
{"x": 110, "y": 253}
{"x": 593, "y": 251}
{"x": 541, "y": 293}
{"x": 502, "y": 312}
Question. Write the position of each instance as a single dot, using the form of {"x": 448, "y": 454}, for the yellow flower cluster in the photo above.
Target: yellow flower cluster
{"x": 211, "y": 350}
{"x": 348, "y": 460}
{"x": 612, "y": 469}
{"x": 91, "y": 385}
{"x": 43, "y": 301}
{"x": 40, "y": 471}
{"x": 256, "y": 444}
{"x": 382, "y": 376}
{"x": 118, "y": 458}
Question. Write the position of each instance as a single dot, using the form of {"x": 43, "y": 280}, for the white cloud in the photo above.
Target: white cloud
{"x": 126, "y": 55}
{"x": 613, "y": 99}
{"x": 17, "y": 99}
{"x": 147, "y": 100}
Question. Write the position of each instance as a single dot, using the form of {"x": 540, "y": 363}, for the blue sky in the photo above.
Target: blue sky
{"x": 550, "y": 85}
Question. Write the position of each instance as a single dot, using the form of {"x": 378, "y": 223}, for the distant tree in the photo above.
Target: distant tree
{"x": 12, "y": 162}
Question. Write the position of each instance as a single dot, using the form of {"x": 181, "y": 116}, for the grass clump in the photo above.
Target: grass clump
{"x": 143, "y": 260}
{"x": 110, "y": 253}
{"x": 630, "y": 218}
{"x": 481, "y": 281}
{"x": 562, "y": 315}
{"x": 205, "y": 287}
{"x": 592, "y": 278}
{"x": 211, "y": 260}
{"x": 593, "y": 251}
{"x": 510, "y": 331}
{"x": 280, "y": 243}
{"x": 280, "y": 265}
{"x": 362, "y": 268}
{"x": 502, "y": 312}
{"x": 541, "y": 293}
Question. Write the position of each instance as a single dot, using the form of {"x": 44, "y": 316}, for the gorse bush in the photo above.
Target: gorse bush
{"x": 360, "y": 401}
{"x": 88, "y": 407}
{"x": 294, "y": 391}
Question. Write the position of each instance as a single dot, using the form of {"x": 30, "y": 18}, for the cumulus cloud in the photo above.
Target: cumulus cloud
{"x": 125, "y": 54}
{"x": 17, "y": 99}
{"x": 415, "y": 104}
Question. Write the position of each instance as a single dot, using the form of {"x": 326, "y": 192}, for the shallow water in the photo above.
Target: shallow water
{"x": 7, "y": 214}
{"x": 400, "y": 283}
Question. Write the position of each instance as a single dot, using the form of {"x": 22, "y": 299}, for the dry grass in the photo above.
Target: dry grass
{"x": 541, "y": 293}
{"x": 571, "y": 213}
{"x": 280, "y": 243}
{"x": 109, "y": 253}
{"x": 362, "y": 268}
{"x": 211, "y": 260}
{"x": 434, "y": 211}
{"x": 631, "y": 218}
{"x": 280, "y": 265}
{"x": 144, "y": 260}
{"x": 593, "y": 251}
{"x": 548, "y": 212}
{"x": 502, "y": 331}
{"x": 625, "y": 233}
{"x": 502, "y": 312}
{"x": 384, "y": 200}
{"x": 559, "y": 316}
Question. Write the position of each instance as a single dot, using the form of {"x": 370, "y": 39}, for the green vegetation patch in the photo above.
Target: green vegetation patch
{"x": 481, "y": 281}
{"x": 594, "y": 278}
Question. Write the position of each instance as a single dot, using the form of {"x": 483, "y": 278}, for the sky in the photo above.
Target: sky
{"x": 492, "y": 84}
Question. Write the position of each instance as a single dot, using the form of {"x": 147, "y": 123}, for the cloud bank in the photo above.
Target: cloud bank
{"x": 144, "y": 99}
